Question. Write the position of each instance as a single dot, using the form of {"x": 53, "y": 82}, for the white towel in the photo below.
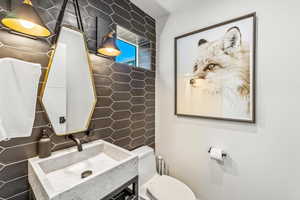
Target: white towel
{"x": 19, "y": 82}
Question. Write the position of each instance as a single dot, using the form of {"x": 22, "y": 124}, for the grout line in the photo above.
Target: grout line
{"x": 20, "y": 145}
{"x": 16, "y": 179}
{"x": 13, "y": 163}
{"x": 18, "y": 194}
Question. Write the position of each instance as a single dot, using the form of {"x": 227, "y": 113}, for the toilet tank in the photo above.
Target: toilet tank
{"x": 147, "y": 163}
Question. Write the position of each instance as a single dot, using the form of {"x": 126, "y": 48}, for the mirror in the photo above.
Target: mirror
{"x": 68, "y": 94}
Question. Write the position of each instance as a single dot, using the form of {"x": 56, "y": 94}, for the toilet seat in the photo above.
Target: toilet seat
{"x": 168, "y": 188}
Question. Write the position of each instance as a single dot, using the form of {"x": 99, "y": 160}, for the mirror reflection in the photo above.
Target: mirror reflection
{"x": 68, "y": 93}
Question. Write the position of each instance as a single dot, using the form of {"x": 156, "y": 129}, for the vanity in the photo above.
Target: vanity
{"x": 101, "y": 171}
{"x": 93, "y": 171}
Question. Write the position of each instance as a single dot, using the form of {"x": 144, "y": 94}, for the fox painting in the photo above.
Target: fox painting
{"x": 218, "y": 83}
{"x": 224, "y": 67}
{"x": 225, "y": 61}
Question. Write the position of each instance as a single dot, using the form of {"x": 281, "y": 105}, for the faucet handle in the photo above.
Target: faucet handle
{"x": 77, "y": 141}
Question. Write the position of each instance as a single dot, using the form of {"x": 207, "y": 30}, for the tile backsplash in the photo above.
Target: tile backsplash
{"x": 125, "y": 111}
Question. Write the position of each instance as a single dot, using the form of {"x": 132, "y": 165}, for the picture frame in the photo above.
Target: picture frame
{"x": 215, "y": 71}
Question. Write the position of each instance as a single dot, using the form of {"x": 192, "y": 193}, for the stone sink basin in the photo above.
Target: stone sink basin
{"x": 91, "y": 174}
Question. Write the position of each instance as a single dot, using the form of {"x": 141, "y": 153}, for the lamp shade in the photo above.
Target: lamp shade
{"x": 108, "y": 47}
{"x": 25, "y": 19}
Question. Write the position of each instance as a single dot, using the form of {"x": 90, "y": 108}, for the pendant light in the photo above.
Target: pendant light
{"x": 25, "y": 19}
{"x": 108, "y": 46}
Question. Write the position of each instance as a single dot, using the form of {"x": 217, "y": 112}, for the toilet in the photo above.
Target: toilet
{"x": 152, "y": 186}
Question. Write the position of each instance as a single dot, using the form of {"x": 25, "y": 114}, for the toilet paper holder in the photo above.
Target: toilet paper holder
{"x": 224, "y": 155}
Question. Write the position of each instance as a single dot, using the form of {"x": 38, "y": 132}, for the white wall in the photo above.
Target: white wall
{"x": 265, "y": 157}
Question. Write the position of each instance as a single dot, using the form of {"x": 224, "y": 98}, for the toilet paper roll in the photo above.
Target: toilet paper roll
{"x": 216, "y": 154}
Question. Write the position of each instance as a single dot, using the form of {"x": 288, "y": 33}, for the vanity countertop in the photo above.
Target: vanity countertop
{"x": 88, "y": 175}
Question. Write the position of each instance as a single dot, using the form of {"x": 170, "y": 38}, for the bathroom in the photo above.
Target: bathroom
{"x": 145, "y": 132}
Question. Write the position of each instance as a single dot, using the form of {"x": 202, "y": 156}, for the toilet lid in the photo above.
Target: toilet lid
{"x": 167, "y": 188}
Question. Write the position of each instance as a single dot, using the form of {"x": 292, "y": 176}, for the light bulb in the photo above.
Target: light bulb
{"x": 110, "y": 50}
{"x": 27, "y": 24}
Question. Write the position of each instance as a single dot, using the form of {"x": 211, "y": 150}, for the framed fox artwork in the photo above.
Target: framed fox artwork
{"x": 215, "y": 71}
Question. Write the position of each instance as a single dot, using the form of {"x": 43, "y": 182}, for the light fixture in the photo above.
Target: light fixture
{"x": 25, "y": 19}
{"x": 108, "y": 46}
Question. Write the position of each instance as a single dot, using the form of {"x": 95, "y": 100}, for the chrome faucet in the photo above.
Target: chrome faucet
{"x": 77, "y": 141}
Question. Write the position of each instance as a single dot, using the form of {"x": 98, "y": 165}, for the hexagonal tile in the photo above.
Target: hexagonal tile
{"x": 150, "y": 81}
{"x": 150, "y": 125}
{"x": 137, "y": 100}
{"x": 150, "y": 110}
{"x": 123, "y": 142}
{"x": 137, "y": 92}
{"x": 102, "y": 81}
{"x": 150, "y": 132}
{"x": 137, "y": 108}
{"x": 150, "y": 118}
{"x": 101, "y": 66}
{"x": 138, "y": 133}
{"x": 150, "y": 96}
{"x": 14, "y": 187}
{"x": 150, "y": 140}
{"x": 121, "y": 96}
{"x": 104, "y": 91}
{"x": 150, "y": 88}
{"x": 18, "y": 153}
{"x": 101, "y": 123}
{"x": 138, "y": 125}
{"x": 137, "y": 84}
{"x": 121, "y": 115}
{"x": 121, "y": 106}
{"x": 101, "y": 6}
{"x": 150, "y": 103}
{"x": 121, "y": 134}
{"x": 13, "y": 171}
{"x": 102, "y": 133}
{"x": 102, "y": 112}
{"x": 121, "y": 77}
{"x": 140, "y": 141}
{"x": 121, "y": 124}
{"x": 138, "y": 116}
{"x": 104, "y": 101}
{"x": 120, "y": 87}
{"x": 118, "y": 67}
{"x": 137, "y": 75}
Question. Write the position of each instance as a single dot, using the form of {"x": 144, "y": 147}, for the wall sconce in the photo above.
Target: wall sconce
{"x": 106, "y": 38}
{"x": 108, "y": 47}
{"x": 25, "y": 19}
